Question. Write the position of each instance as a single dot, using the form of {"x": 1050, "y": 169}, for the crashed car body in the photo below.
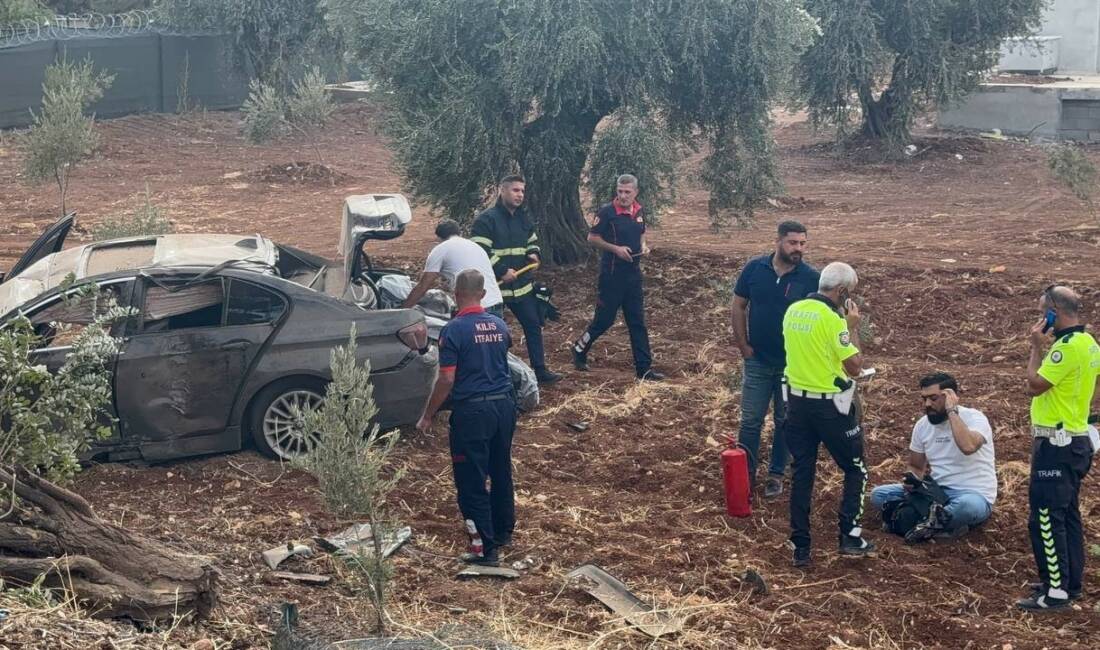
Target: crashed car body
{"x": 230, "y": 332}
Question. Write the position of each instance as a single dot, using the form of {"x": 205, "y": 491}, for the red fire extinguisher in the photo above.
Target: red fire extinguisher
{"x": 735, "y": 476}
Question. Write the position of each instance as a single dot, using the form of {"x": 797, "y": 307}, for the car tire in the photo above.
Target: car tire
{"x": 269, "y": 419}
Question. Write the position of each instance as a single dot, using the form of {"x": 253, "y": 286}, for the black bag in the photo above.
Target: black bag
{"x": 902, "y": 516}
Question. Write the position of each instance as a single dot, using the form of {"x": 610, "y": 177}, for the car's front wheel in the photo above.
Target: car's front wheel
{"x": 275, "y": 422}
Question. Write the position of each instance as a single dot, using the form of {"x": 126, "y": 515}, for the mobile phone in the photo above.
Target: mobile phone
{"x": 1048, "y": 322}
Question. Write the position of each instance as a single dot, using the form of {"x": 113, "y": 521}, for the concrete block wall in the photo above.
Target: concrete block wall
{"x": 1078, "y": 23}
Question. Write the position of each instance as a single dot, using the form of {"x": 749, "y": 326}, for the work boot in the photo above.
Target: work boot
{"x": 481, "y": 559}
{"x": 580, "y": 360}
{"x": 1040, "y": 602}
{"x": 651, "y": 375}
{"x": 545, "y": 377}
{"x": 773, "y": 487}
{"x": 801, "y": 556}
{"x": 1038, "y": 589}
{"x": 855, "y": 545}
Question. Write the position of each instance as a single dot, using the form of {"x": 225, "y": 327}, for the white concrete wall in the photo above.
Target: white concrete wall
{"x": 1078, "y": 23}
{"x": 1015, "y": 110}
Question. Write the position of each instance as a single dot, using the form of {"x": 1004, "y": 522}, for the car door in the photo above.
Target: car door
{"x": 178, "y": 376}
{"x": 48, "y": 242}
{"x": 57, "y": 320}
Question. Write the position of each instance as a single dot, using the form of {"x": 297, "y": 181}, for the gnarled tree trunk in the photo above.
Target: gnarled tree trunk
{"x": 114, "y": 572}
{"x": 554, "y": 154}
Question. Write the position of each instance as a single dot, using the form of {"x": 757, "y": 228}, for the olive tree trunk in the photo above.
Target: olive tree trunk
{"x": 54, "y": 532}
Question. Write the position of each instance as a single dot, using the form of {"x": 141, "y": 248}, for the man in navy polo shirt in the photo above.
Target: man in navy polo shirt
{"x": 767, "y": 286}
{"x": 619, "y": 232}
{"x": 473, "y": 371}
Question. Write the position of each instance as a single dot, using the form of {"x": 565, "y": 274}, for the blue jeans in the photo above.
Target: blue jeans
{"x": 966, "y": 507}
{"x": 762, "y": 384}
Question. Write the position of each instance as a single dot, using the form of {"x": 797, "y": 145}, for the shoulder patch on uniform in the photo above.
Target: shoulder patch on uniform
{"x": 1067, "y": 337}
{"x": 1056, "y": 356}
{"x": 845, "y": 338}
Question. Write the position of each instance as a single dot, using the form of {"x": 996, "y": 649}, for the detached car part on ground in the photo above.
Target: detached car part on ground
{"x": 231, "y": 332}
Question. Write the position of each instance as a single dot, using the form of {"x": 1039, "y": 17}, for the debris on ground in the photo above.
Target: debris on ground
{"x": 358, "y": 539}
{"x": 304, "y": 578}
{"x": 526, "y": 564}
{"x": 276, "y": 556}
{"x": 610, "y": 591}
{"x": 579, "y": 427}
{"x": 478, "y": 571}
{"x": 756, "y": 581}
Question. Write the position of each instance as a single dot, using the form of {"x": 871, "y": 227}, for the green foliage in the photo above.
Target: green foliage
{"x": 479, "y": 89}
{"x": 147, "y": 219}
{"x": 46, "y": 417}
{"x": 634, "y": 144}
{"x": 1072, "y": 168}
{"x": 352, "y": 462}
{"x": 12, "y": 11}
{"x": 61, "y": 135}
{"x": 309, "y": 105}
{"x": 926, "y": 52}
{"x": 263, "y": 113}
{"x": 273, "y": 40}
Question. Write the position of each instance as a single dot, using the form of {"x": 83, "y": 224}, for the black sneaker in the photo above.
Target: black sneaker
{"x": 1040, "y": 602}
{"x": 545, "y": 377}
{"x": 651, "y": 375}
{"x": 1038, "y": 589}
{"x": 801, "y": 556}
{"x": 580, "y": 360}
{"x": 856, "y": 546}
{"x": 481, "y": 559}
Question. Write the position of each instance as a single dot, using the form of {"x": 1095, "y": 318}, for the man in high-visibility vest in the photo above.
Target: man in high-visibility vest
{"x": 822, "y": 354}
{"x": 507, "y": 233}
{"x": 1062, "y": 382}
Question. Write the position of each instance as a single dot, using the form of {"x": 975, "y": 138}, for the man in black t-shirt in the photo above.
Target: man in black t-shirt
{"x": 619, "y": 232}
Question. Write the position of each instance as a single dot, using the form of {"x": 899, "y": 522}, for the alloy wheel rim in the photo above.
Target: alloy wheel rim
{"x": 283, "y": 431}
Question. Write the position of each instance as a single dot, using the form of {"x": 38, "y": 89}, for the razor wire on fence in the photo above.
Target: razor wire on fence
{"x": 92, "y": 25}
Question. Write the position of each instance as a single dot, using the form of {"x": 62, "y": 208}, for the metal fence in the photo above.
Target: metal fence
{"x": 156, "y": 69}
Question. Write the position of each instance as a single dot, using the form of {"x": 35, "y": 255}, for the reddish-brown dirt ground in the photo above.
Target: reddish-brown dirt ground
{"x": 953, "y": 246}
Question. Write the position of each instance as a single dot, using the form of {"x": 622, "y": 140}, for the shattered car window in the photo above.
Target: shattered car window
{"x": 171, "y": 308}
{"x": 250, "y": 304}
{"x": 59, "y": 321}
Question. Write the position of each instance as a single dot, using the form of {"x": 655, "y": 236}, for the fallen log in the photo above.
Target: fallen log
{"x": 54, "y": 532}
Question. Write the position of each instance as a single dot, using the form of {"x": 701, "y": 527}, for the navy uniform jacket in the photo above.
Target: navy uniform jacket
{"x": 508, "y": 239}
{"x": 621, "y": 227}
{"x": 475, "y": 345}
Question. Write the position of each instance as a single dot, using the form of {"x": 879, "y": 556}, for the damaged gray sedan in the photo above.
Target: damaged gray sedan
{"x": 231, "y": 332}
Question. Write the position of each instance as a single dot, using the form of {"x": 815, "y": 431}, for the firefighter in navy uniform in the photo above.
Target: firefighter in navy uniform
{"x": 619, "y": 232}
{"x": 507, "y": 234}
{"x": 473, "y": 372}
{"x": 1062, "y": 382}
{"x": 822, "y": 355}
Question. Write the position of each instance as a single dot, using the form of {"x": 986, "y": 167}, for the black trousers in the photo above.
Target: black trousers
{"x": 481, "y": 447}
{"x": 811, "y": 422}
{"x": 615, "y": 290}
{"x": 526, "y": 310}
{"x": 1054, "y": 524}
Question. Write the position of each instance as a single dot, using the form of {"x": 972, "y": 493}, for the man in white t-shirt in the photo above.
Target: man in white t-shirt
{"x": 453, "y": 256}
{"x": 958, "y": 444}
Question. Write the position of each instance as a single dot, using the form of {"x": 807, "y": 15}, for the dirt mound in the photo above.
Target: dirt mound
{"x": 298, "y": 172}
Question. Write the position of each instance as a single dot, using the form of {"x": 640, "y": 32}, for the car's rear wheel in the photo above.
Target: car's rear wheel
{"x": 276, "y": 429}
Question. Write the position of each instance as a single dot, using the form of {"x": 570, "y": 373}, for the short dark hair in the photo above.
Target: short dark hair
{"x": 512, "y": 178}
{"x": 941, "y": 379}
{"x": 469, "y": 282}
{"x": 787, "y": 227}
{"x": 447, "y": 228}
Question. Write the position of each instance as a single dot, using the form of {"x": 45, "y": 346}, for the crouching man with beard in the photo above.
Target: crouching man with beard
{"x": 958, "y": 444}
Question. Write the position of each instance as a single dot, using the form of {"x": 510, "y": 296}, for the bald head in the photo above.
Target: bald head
{"x": 469, "y": 288}
{"x": 1063, "y": 300}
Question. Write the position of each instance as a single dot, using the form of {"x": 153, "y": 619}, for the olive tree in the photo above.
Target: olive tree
{"x": 62, "y": 134}
{"x": 891, "y": 60}
{"x": 480, "y": 88}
